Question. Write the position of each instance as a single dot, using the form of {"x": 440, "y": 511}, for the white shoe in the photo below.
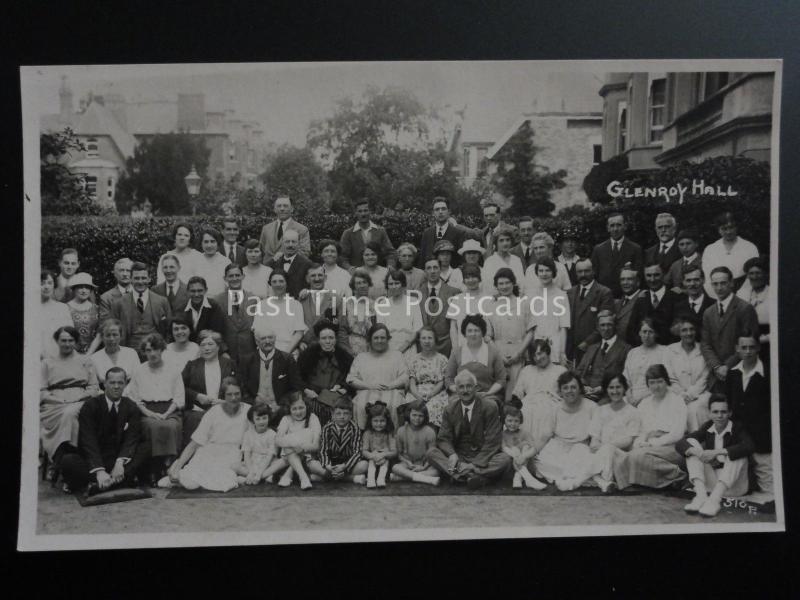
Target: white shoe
{"x": 566, "y": 485}
{"x": 434, "y": 480}
{"x": 517, "y": 483}
{"x": 165, "y": 482}
{"x": 395, "y": 478}
{"x": 285, "y": 481}
{"x": 534, "y": 483}
{"x": 359, "y": 479}
{"x": 696, "y": 504}
{"x": 710, "y": 508}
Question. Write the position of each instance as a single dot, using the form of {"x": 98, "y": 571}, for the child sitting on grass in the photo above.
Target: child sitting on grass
{"x": 518, "y": 444}
{"x": 298, "y": 438}
{"x": 414, "y": 439}
{"x": 340, "y": 447}
{"x": 378, "y": 446}
{"x": 258, "y": 446}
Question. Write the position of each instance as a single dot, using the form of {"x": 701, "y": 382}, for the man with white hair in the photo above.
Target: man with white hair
{"x": 269, "y": 375}
{"x": 272, "y": 233}
{"x": 122, "y": 275}
{"x": 666, "y": 251}
{"x": 468, "y": 447}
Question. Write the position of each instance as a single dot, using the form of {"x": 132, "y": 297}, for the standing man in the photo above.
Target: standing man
{"x": 442, "y": 229}
{"x": 656, "y": 302}
{"x": 68, "y": 266}
{"x": 230, "y": 244}
{"x": 272, "y": 233}
{"x": 569, "y": 257}
{"x": 435, "y": 300}
{"x": 616, "y": 252}
{"x": 291, "y": 262}
{"x": 687, "y": 245}
{"x": 524, "y": 249}
{"x": 586, "y": 300}
{"x": 494, "y": 224}
{"x": 693, "y": 304}
{"x": 141, "y": 311}
{"x": 122, "y": 275}
{"x": 364, "y": 231}
{"x": 729, "y": 251}
{"x": 172, "y": 288}
{"x": 666, "y": 251}
{"x": 200, "y": 311}
{"x": 470, "y": 438}
{"x": 629, "y": 284}
{"x": 237, "y": 316}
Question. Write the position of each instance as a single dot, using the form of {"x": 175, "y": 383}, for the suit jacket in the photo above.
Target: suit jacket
{"x": 584, "y": 315}
{"x": 331, "y": 308}
{"x": 296, "y": 276}
{"x": 240, "y": 257}
{"x": 483, "y": 439}
{"x": 285, "y": 377}
{"x": 595, "y": 365}
{"x": 210, "y": 318}
{"x": 683, "y": 310}
{"x": 454, "y": 233}
{"x": 99, "y": 442}
{"x": 651, "y": 255}
{"x": 624, "y": 315}
{"x": 439, "y": 322}
{"x": 752, "y": 407}
{"x": 237, "y": 326}
{"x": 106, "y": 300}
{"x": 179, "y": 301}
{"x": 674, "y": 276}
{"x": 737, "y": 442}
{"x": 270, "y": 244}
{"x": 194, "y": 378}
{"x": 352, "y": 243}
{"x": 662, "y": 316}
{"x": 607, "y": 266}
{"x": 517, "y": 251}
{"x": 156, "y": 315}
{"x": 720, "y": 336}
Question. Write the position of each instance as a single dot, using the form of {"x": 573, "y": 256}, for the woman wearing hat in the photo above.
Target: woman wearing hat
{"x": 443, "y": 251}
{"x": 85, "y": 314}
{"x": 471, "y": 253}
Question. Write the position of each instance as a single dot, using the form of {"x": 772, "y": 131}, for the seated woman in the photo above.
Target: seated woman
{"x": 256, "y": 274}
{"x": 401, "y": 316}
{"x": 67, "y": 381}
{"x": 553, "y": 323}
{"x": 181, "y": 350}
{"x": 479, "y": 358}
{"x": 52, "y": 315}
{"x": 406, "y": 258}
{"x": 213, "y": 454}
{"x": 426, "y": 377}
{"x": 157, "y": 388}
{"x": 85, "y": 313}
{"x": 688, "y": 373}
{"x": 324, "y": 366}
{"x": 202, "y": 380}
{"x": 372, "y": 267}
{"x": 379, "y": 374}
{"x": 537, "y": 390}
{"x": 112, "y": 354}
{"x": 562, "y": 458}
{"x": 640, "y": 359}
{"x": 467, "y": 303}
{"x": 358, "y": 315}
{"x": 653, "y": 461}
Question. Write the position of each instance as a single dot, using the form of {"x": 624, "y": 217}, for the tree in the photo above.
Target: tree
{"x": 519, "y": 179}
{"x": 597, "y": 180}
{"x": 156, "y": 172}
{"x": 62, "y": 191}
{"x": 295, "y": 173}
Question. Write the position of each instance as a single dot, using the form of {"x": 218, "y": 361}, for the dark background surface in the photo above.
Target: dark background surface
{"x": 145, "y": 32}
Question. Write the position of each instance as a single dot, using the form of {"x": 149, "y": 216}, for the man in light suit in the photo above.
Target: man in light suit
{"x": 237, "y": 312}
{"x": 468, "y": 447}
{"x": 442, "y": 229}
{"x": 290, "y": 261}
{"x": 586, "y": 300}
{"x": 230, "y": 245}
{"x": 354, "y": 239}
{"x": 666, "y": 251}
{"x": 723, "y": 324}
{"x": 272, "y": 233}
{"x": 524, "y": 249}
{"x": 122, "y": 275}
{"x": 623, "y": 307}
{"x": 141, "y": 311}
{"x": 606, "y": 357}
{"x": 610, "y": 256}
{"x": 435, "y": 297}
{"x": 172, "y": 288}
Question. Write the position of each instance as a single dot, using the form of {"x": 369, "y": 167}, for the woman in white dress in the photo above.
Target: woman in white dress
{"x": 551, "y": 315}
{"x": 181, "y": 350}
{"x": 256, "y": 274}
{"x": 214, "y": 452}
{"x": 639, "y": 359}
{"x": 281, "y": 314}
{"x": 53, "y": 315}
{"x": 400, "y": 315}
{"x": 211, "y": 264}
{"x": 443, "y": 251}
{"x": 372, "y": 257}
{"x": 469, "y": 302}
{"x": 337, "y": 279}
{"x": 502, "y": 259}
{"x": 112, "y": 354}
{"x": 537, "y": 390}
{"x": 187, "y": 255}
{"x": 688, "y": 374}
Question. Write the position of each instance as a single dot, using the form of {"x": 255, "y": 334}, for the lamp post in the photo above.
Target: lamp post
{"x": 193, "y": 187}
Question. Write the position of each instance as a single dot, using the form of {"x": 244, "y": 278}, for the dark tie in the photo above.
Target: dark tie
{"x": 432, "y": 293}
{"x": 232, "y": 254}
{"x": 170, "y": 294}
{"x": 604, "y": 348}
{"x": 721, "y": 310}
{"x": 140, "y": 303}
{"x": 287, "y": 264}
{"x": 654, "y": 299}
{"x": 625, "y": 300}
{"x": 614, "y": 247}
{"x": 466, "y": 417}
{"x": 663, "y": 250}
{"x": 694, "y": 306}
{"x": 280, "y": 230}
{"x": 583, "y": 293}
{"x": 527, "y": 254}
{"x": 236, "y": 307}
{"x": 685, "y": 262}
{"x": 113, "y": 412}
{"x": 439, "y": 233}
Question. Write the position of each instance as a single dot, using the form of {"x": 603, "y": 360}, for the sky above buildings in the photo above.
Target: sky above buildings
{"x": 286, "y": 97}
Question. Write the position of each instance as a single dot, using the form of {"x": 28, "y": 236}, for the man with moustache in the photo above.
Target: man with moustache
{"x": 586, "y": 300}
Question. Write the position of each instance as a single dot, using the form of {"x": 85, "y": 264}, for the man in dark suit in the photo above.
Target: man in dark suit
{"x": 606, "y": 357}
{"x": 172, "y": 288}
{"x": 623, "y": 307}
{"x": 468, "y": 447}
{"x": 354, "y": 239}
{"x": 442, "y": 229}
{"x": 270, "y": 376}
{"x": 122, "y": 275}
{"x": 524, "y": 249}
{"x": 693, "y": 303}
{"x": 201, "y": 311}
{"x": 318, "y": 304}
{"x": 494, "y": 224}
{"x": 716, "y": 458}
{"x": 237, "y": 314}
{"x": 687, "y": 242}
{"x": 291, "y": 262}
{"x": 723, "y": 323}
{"x": 111, "y": 445}
{"x": 656, "y": 302}
{"x": 141, "y": 311}
{"x": 435, "y": 296}
{"x": 610, "y": 256}
{"x": 586, "y": 300}
{"x": 666, "y": 251}
{"x": 230, "y": 245}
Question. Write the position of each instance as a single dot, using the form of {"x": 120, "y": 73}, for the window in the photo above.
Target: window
{"x": 622, "y": 126}
{"x": 597, "y": 154}
{"x": 658, "y": 101}
{"x": 465, "y": 163}
{"x": 714, "y": 82}
{"x": 92, "y": 148}
{"x": 91, "y": 186}
{"x": 110, "y": 182}
{"x": 483, "y": 162}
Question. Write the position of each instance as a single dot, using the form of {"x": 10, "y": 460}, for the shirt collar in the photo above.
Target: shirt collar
{"x": 728, "y": 429}
{"x": 668, "y": 244}
{"x": 690, "y": 258}
{"x": 266, "y": 357}
{"x": 437, "y": 286}
{"x": 441, "y": 228}
{"x": 205, "y": 304}
{"x": 145, "y": 295}
{"x": 759, "y": 368}
{"x": 124, "y": 290}
{"x": 698, "y": 300}
{"x": 357, "y": 227}
{"x": 109, "y": 403}
{"x": 660, "y": 293}
{"x": 619, "y": 241}
{"x": 610, "y": 341}
{"x": 588, "y": 286}
{"x": 726, "y": 303}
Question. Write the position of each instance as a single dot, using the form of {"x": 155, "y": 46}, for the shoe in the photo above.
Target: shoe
{"x": 312, "y": 477}
{"x": 395, "y": 478}
{"x": 476, "y": 482}
{"x": 285, "y": 481}
{"x": 92, "y": 489}
{"x": 710, "y": 508}
{"x": 565, "y": 485}
{"x": 164, "y": 483}
{"x": 517, "y": 483}
{"x": 435, "y": 480}
{"x": 696, "y": 504}
{"x": 269, "y": 479}
{"x": 359, "y": 479}
{"x": 381, "y": 483}
{"x": 66, "y": 489}
{"x": 305, "y": 485}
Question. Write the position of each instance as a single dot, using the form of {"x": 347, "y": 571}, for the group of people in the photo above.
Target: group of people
{"x": 478, "y": 355}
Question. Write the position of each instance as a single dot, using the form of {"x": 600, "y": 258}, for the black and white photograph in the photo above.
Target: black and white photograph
{"x": 288, "y": 303}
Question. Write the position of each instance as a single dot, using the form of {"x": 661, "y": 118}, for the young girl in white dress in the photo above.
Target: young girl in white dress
{"x": 378, "y": 444}
{"x": 258, "y": 446}
{"x": 298, "y": 438}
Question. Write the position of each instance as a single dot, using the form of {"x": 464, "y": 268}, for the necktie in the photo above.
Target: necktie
{"x": 466, "y": 417}
{"x": 439, "y": 233}
{"x": 527, "y": 254}
{"x": 604, "y": 348}
{"x": 140, "y": 302}
{"x": 236, "y": 307}
{"x": 583, "y": 293}
{"x": 170, "y": 293}
{"x": 721, "y": 310}
{"x": 287, "y": 263}
{"x": 432, "y": 293}
{"x": 614, "y": 247}
{"x": 654, "y": 299}
{"x": 280, "y": 230}
{"x": 663, "y": 249}
{"x": 231, "y": 254}
{"x": 625, "y": 300}
{"x": 685, "y": 262}
{"x": 113, "y": 412}
{"x": 693, "y": 305}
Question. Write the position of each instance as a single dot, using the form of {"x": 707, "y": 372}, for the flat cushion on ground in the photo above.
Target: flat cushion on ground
{"x": 112, "y": 496}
